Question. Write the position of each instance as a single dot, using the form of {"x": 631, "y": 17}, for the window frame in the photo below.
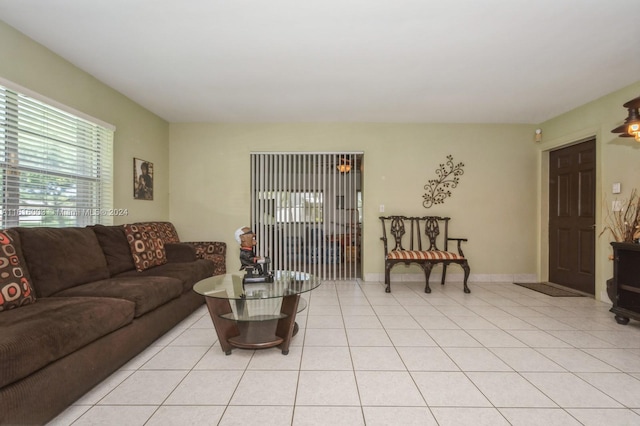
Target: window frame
{"x": 292, "y": 206}
{"x": 56, "y": 164}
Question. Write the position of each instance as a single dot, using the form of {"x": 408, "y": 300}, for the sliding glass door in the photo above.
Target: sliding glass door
{"x": 306, "y": 209}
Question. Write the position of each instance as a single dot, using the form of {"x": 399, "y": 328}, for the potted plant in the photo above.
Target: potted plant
{"x": 624, "y": 226}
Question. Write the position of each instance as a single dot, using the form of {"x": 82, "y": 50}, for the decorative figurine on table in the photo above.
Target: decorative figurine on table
{"x": 256, "y": 267}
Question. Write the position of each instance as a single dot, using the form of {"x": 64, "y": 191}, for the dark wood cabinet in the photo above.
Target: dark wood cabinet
{"x": 624, "y": 289}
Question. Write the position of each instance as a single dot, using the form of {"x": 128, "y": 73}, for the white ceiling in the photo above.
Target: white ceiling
{"x": 490, "y": 61}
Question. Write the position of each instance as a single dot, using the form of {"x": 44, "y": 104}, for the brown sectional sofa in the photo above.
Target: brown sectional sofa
{"x": 93, "y": 311}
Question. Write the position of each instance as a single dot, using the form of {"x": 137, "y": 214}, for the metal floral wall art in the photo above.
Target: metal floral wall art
{"x": 439, "y": 189}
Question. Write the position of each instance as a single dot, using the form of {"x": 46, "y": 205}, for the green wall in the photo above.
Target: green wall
{"x": 500, "y": 204}
{"x": 139, "y": 133}
{"x": 494, "y": 205}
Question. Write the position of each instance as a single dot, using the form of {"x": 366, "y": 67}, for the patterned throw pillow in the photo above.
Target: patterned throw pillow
{"x": 15, "y": 289}
{"x": 146, "y": 245}
{"x": 167, "y": 232}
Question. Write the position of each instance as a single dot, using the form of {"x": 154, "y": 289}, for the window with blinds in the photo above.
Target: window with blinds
{"x": 56, "y": 167}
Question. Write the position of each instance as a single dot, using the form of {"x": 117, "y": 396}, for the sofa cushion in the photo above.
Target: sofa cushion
{"x": 116, "y": 249}
{"x": 38, "y": 334}
{"x": 215, "y": 251}
{"x": 60, "y": 258}
{"x": 188, "y": 273}
{"x": 423, "y": 255}
{"x": 146, "y": 292}
{"x": 178, "y": 252}
{"x": 15, "y": 286}
{"x": 147, "y": 248}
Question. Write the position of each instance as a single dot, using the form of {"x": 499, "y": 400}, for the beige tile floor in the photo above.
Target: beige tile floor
{"x": 498, "y": 356}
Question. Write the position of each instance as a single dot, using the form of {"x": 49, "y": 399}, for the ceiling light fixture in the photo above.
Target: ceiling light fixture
{"x": 538, "y": 136}
{"x": 631, "y": 126}
{"x": 344, "y": 165}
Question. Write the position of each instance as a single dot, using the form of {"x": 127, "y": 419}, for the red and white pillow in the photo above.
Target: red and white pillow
{"x": 15, "y": 288}
{"x": 147, "y": 248}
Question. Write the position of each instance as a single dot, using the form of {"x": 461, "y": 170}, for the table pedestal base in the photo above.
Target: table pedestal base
{"x": 254, "y": 334}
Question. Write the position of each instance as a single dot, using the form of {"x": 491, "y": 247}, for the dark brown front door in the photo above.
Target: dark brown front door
{"x": 572, "y": 173}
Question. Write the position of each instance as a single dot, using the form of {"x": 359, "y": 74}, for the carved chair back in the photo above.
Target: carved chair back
{"x": 423, "y": 232}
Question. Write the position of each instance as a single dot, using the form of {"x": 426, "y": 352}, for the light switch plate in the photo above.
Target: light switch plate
{"x": 616, "y": 188}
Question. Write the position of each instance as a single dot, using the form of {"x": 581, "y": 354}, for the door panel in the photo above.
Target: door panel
{"x": 572, "y": 216}
{"x": 564, "y": 191}
{"x": 586, "y": 191}
{"x": 563, "y": 259}
{"x": 586, "y": 252}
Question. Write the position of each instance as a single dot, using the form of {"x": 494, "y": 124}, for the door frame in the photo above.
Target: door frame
{"x": 578, "y": 223}
{"x": 543, "y": 200}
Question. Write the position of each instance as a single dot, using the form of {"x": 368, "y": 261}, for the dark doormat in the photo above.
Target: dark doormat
{"x": 549, "y": 290}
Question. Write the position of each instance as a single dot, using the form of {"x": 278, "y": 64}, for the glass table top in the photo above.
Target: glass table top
{"x": 229, "y": 286}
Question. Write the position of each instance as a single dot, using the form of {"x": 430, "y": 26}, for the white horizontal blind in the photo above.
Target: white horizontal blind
{"x": 306, "y": 211}
{"x": 56, "y": 167}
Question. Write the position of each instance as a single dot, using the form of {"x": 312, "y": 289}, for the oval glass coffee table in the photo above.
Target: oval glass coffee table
{"x": 256, "y": 315}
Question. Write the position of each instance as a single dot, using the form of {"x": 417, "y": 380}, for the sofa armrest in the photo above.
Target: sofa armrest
{"x": 178, "y": 252}
{"x": 214, "y": 251}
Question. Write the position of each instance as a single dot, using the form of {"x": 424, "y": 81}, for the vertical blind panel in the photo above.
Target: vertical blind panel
{"x": 56, "y": 168}
{"x": 306, "y": 211}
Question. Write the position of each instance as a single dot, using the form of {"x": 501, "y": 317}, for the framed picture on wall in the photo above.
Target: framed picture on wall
{"x": 142, "y": 179}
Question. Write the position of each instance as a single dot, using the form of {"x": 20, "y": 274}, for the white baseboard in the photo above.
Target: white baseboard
{"x": 473, "y": 278}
